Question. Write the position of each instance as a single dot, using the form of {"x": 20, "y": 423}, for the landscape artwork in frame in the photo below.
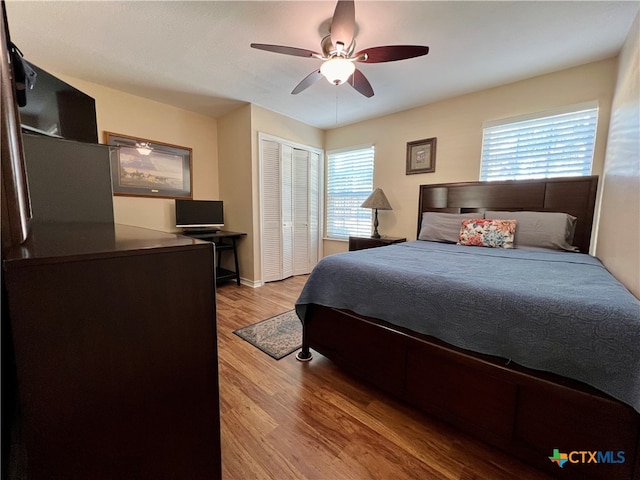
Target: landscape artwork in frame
{"x": 421, "y": 156}
{"x": 146, "y": 168}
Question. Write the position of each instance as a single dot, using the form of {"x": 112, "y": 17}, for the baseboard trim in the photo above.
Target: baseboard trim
{"x": 251, "y": 283}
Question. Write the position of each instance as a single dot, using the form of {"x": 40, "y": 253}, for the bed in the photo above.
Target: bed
{"x": 557, "y": 366}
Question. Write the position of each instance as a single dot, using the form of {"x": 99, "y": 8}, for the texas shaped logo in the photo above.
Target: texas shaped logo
{"x": 559, "y": 458}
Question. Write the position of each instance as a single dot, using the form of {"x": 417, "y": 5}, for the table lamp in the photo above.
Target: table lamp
{"x": 378, "y": 201}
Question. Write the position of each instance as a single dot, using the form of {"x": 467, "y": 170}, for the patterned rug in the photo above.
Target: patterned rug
{"x": 276, "y": 336}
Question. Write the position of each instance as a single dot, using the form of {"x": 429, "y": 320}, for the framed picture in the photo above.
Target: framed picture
{"x": 421, "y": 156}
{"x": 145, "y": 168}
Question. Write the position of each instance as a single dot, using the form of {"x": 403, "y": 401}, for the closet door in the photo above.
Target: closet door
{"x": 277, "y": 208}
{"x": 287, "y": 203}
{"x": 290, "y": 181}
{"x": 271, "y": 212}
{"x": 300, "y": 190}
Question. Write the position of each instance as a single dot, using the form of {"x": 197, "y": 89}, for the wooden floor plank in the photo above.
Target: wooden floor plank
{"x": 284, "y": 419}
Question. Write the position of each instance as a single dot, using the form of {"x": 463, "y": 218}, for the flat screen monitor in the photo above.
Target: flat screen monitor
{"x": 199, "y": 214}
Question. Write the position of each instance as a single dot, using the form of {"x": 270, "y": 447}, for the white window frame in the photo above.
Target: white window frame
{"x": 345, "y": 192}
{"x": 553, "y": 143}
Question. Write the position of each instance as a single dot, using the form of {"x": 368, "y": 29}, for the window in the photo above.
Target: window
{"x": 558, "y": 144}
{"x": 349, "y": 183}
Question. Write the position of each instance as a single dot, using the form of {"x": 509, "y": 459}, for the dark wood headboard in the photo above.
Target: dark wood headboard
{"x": 573, "y": 195}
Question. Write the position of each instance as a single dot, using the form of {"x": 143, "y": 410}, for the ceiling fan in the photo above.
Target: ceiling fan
{"x": 338, "y": 53}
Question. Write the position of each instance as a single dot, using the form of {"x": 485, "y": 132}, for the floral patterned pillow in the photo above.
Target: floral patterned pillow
{"x": 482, "y": 232}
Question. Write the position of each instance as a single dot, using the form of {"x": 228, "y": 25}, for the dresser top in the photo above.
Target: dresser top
{"x": 51, "y": 241}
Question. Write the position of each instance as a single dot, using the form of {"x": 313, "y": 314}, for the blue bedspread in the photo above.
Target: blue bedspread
{"x": 552, "y": 311}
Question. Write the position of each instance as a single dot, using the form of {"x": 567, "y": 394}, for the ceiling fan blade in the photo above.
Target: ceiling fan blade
{"x": 298, "y": 52}
{"x": 361, "y": 84}
{"x": 391, "y": 53}
{"x": 307, "y": 82}
{"x": 343, "y": 24}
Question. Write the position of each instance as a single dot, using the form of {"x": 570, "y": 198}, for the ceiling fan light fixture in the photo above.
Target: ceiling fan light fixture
{"x": 337, "y": 70}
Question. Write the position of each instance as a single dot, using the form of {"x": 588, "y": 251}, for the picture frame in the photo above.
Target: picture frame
{"x": 147, "y": 168}
{"x": 421, "y": 156}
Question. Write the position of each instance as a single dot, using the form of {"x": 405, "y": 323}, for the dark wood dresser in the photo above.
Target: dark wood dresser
{"x": 114, "y": 334}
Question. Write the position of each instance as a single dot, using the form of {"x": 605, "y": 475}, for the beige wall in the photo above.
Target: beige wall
{"x": 235, "y": 168}
{"x": 127, "y": 114}
{"x": 273, "y": 123}
{"x": 239, "y": 173}
{"x": 619, "y": 230}
{"x": 457, "y": 125}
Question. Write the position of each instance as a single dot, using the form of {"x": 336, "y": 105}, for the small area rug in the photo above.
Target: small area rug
{"x": 276, "y": 336}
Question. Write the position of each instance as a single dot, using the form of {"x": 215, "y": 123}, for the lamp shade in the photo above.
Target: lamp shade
{"x": 377, "y": 200}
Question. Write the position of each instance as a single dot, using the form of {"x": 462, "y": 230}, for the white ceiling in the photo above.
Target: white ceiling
{"x": 196, "y": 55}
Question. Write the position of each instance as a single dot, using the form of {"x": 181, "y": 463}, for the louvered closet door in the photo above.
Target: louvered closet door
{"x": 290, "y": 210}
{"x": 287, "y": 211}
{"x": 271, "y": 212}
{"x": 300, "y": 212}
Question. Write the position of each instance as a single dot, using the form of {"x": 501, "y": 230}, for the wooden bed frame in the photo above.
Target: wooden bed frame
{"x": 524, "y": 412}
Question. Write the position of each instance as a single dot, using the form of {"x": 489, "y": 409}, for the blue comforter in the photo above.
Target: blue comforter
{"x": 553, "y": 311}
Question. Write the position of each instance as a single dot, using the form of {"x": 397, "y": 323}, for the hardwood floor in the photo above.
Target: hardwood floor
{"x": 291, "y": 420}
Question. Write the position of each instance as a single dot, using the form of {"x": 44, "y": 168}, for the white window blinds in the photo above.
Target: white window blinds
{"x": 558, "y": 144}
{"x": 349, "y": 183}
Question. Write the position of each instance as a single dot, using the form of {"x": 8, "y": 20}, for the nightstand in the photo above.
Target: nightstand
{"x": 360, "y": 243}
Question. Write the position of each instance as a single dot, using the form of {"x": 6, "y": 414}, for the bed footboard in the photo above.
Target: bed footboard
{"x": 521, "y": 411}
